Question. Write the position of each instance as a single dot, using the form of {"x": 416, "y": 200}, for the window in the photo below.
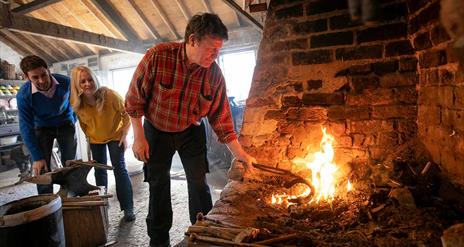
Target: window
{"x": 238, "y": 68}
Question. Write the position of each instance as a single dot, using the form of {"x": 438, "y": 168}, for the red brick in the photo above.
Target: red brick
{"x": 405, "y": 95}
{"x": 386, "y": 139}
{"x": 312, "y": 114}
{"x": 429, "y": 115}
{"x": 358, "y": 140}
{"x": 353, "y": 113}
{"x": 344, "y": 141}
{"x": 408, "y": 64}
{"x": 394, "y": 112}
{"x": 459, "y": 94}
{"x": 380, "y": 96}
{"x": 399, "y": 79}
{"x": 369, "y": 126}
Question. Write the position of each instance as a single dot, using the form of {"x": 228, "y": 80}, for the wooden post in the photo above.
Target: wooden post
{"x": 5, "y": 16}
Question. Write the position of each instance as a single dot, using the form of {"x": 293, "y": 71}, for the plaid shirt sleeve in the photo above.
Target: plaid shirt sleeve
{"x": 140, "y": 87}
{"x": 220, "y": 116}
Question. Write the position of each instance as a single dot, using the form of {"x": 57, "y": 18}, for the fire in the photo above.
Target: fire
{"x": 323, "y": 174}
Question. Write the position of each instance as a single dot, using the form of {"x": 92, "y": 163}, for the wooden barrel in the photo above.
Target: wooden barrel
{"x": 33, "y": 221}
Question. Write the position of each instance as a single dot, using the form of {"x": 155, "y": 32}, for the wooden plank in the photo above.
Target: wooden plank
{"x": 43, "y": 47}
{"x": 20, "y": 50}
{"x": 34, "y": 5}
{"x": 183, "y": 9}
{"x": 30, "y": 49}
{"x": 54, "y": 47}
{"x": 101, "y": 18}
{"x": 207, "y": 6}
{"x": 81, "y": 24}
{"x": 105, "y": 7}
{"x": 244, "y": 14}
{"x": 46, "y": 15}
{"x": 165, "y": 18}
{"x": 31, "y": 25}
{"x": 145, "y": 20}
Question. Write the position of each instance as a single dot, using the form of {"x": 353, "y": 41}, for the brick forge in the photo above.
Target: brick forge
{"x": 383, "y": 90}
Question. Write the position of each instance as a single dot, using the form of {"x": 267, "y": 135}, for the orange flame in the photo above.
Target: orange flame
{"x": 323, "y": 173}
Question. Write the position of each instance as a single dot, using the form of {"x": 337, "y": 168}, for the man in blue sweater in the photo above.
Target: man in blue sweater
{"x": 45, "y": 114}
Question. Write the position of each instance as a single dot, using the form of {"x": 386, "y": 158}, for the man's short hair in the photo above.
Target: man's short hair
{"x": 31, "y": 62}
{"x": 206, "y": 24}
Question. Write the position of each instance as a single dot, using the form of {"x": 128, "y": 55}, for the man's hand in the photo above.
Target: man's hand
{"x": 37, "y": 167}
{"x": 140, "y": 149}
{"x": 242, "y": 156}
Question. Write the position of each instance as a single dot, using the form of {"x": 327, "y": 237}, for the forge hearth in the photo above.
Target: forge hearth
{"x": 391, "y": 94}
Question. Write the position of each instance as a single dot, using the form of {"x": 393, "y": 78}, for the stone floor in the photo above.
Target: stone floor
{"x": 130, "y": 233}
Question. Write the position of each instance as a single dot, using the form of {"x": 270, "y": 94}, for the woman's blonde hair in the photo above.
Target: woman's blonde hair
{"x": 76, "y": 90}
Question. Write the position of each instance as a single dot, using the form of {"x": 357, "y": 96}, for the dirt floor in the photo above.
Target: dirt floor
{"x": 132, "y": 233}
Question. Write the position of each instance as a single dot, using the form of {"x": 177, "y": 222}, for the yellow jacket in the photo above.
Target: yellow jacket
{"x": 109, "y": 124}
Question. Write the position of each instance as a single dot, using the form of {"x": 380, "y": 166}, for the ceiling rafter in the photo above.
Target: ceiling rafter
{"x": 34, "y": 5}
{"x": 53, "y": 49}
{"x": 38, "y": 14}
{"x": 183, "y": 9}
{"x": 26, "y": 24}
{"x": 207, "y": 7}
{"x": 26, "y": 46}
{"x": 20, "y": 50}
{"x": 145, "y": 20}
{"x": 101, "y": 18}
{"x": 61, "y": 46}
{"x": 78, "y": 20}
{"x": 111, "y": 14}
{"x": 42, "y": 48}
{"x": 244, "y": 14}
{"x": 165, "y": 18}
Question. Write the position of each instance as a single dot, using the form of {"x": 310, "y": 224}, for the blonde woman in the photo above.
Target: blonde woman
{"x": 104, "y": 121}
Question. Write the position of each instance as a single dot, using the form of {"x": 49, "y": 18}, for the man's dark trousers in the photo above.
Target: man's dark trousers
{"x": 191, "y": 146}
{"x": 67, "y": 144}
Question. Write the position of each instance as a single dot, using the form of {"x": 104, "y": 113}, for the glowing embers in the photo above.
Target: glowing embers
{"x": 323, "y": 177}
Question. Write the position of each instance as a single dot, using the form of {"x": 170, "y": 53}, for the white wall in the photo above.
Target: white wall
{"x": 9, "y": 55}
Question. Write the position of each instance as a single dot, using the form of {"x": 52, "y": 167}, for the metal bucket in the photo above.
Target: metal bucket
{"x": 33, "y": 221}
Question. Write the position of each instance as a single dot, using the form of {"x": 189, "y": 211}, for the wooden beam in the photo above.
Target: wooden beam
{"x": 34, "y": 5}
{"x": 145, "y": 20}
{"x": 111, "y": 14}
{"x": 62, "y": 47}
{"x": 101, "y": 18}
{"x": 183, "y": 9}
{"x": 43, "y": 47}
{"x": 20, "y": 50}
{"x": 244, "y": 14}
{"x": 54, "y": 47}
{"x": 26, "y": 46}
{"x": 207, "y": 7}
{"x": 35, "y": 26}
{"x": 41, "y": 15}
{"x": 79, "y": 21}
{"x": 165, "y": 18}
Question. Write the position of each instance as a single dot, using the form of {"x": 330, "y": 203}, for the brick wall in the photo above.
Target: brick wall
{"x": 316, "y": 68}
{"x": 441, "y": 89}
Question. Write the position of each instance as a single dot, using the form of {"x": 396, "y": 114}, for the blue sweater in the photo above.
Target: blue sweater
{"x": 37, "y": 110}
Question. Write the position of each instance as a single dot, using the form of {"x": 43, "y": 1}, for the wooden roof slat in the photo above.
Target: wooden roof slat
{"x": 44, "y": 48}
{"x": 34, "y": 5}
{"x": 26, "y": 46}
{"x": 101, "y": 18}
{"x": 79, "y": 21}
{"x": 111, "y": 14}
{"x": 183, "y": 9}
{"x": 165, "y": 18}
{"x": 244, "y": 14}
{"x": 145, "y": 20}
{"x": 61, "y": 50}
{"x": 32, "y": 25}
{"x": 20, "y": 50}
{"x": 207, "y": 6}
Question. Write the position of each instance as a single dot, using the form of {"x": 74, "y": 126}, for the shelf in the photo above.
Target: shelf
{"x": 15, "y": 82}
{"x": 5, "y": 148}
{"x": 7, "y": 96}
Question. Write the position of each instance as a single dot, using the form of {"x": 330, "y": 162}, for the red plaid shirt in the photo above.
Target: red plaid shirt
{"x": 172, "y": 95}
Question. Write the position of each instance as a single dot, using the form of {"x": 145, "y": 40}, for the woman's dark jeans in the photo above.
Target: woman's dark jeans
{"x": 67, "y": 144}
{"x": 191, "y": 146}
{"x": 123, "y": 183}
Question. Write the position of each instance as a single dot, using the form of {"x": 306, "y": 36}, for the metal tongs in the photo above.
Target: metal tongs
{"x": 294, "y": 179}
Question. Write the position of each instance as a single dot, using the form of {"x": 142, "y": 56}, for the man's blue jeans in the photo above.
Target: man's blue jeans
{"x": 191, "y": 146}
{"x": 66, "y": 137}
{"x": 123, "y": 183}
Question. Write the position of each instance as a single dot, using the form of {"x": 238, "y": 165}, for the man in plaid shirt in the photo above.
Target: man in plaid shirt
{"x": 174, "y": 87}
